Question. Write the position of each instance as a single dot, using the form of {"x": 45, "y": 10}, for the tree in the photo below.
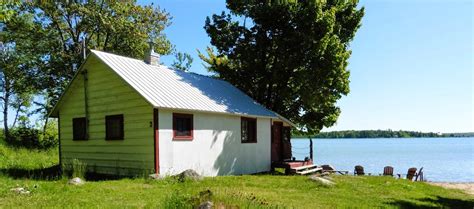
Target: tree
{"x": 183, "y": 61}
{"x": 59, "y": 28}
{"x": 290, "y": 56}
{"x": 16, "y": 73}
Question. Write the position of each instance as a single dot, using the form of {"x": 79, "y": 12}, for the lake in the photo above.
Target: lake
{"x": 442, "y": 159}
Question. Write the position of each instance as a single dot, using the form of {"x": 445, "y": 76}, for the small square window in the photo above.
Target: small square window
{"x": 114, "y": 127}
{"x": 79, "y": 129}
{"x": 182, "y": 126}
{"x": 248, "y": 130}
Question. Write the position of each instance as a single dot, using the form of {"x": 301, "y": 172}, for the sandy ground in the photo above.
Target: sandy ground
{"x": 467, "y": 187}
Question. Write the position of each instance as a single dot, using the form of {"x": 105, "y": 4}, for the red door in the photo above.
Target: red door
{"x": 276, "y": 141}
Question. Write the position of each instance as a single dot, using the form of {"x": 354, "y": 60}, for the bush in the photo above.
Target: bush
{"x": 24, "y": 137}
{"x": 33, "y": 138}
{"x": 75, "y": 168}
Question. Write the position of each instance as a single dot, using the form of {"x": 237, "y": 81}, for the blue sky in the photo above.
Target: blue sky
{"x": 411, "y": 65}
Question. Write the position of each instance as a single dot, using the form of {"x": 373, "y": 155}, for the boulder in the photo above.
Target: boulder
{"x": 76, "y": 181}
{"x": 321, "y": 180}
{"x": 189, "y": 174}
{"x": 20, "y": 190}
{"x": 206, "y": 205}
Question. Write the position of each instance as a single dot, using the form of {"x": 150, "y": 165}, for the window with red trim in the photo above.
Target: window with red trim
{"x": 182, "y": 126}
{"x": 248, "y": 129}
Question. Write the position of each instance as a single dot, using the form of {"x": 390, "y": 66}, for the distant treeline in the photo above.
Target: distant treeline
{"x": 384, "y": 134}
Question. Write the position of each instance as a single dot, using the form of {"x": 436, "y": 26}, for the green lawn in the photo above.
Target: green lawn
{"x": 252, "y": 191}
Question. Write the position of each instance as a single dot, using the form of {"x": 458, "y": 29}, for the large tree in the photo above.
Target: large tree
{"x": 290, "y": 56}
{"x": 58, "y": 29}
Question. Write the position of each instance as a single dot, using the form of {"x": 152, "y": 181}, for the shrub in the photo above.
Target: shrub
{"x": 75, "y": 168}
{"x": 33, "y": 138}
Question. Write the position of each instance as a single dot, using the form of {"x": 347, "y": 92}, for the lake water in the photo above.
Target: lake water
{"x": 442, "y": 159}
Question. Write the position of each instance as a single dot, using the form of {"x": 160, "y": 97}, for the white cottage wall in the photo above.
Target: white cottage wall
{"x": 216, "y": 148}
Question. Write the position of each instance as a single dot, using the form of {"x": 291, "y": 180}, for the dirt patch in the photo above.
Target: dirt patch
{"x": 466, "y": 187}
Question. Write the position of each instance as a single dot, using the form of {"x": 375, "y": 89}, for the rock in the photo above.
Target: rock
{"x": 328, "y": 168}
{"x": 206, "y": 205}
{"x": 321, "y": 180}
{"x": 18, "y": 190}
{"x": 25, "y": 192}
{"x": 76, "y": 181}
{"x": 189, "y": 174}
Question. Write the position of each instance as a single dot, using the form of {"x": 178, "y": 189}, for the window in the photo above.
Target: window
{"x": 182, "y": 126}
{"x": 79, "y": 129}
{"x": 114, "y": 127}
{"x": 248, "y": 127}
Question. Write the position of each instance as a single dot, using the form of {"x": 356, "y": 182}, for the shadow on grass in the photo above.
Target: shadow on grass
{"x": 438, "y": 201}
{"x": 49, "y": 173}
{"x": 53, "y": 173}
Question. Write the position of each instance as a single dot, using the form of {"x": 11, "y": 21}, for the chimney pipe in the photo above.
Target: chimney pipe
{"x": 151, "y": 57}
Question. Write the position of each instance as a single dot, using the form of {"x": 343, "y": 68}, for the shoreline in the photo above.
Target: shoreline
{"x": 467, "y": 187}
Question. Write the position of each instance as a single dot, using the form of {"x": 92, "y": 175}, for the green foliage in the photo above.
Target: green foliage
{"x": 50, "y": 135}
{"x": 177, "y": 200}
{"x": 33, "y": 138}
{"x": 290, "y": 56}
{"x": 46, "y": 38}
{"x": 75, "y": 168}
{"x": 183, "y": 61}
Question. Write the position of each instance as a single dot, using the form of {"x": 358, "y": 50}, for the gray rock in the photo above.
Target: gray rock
{"x": 20, "y": 190}
{"x": 328, "y": 168}
{"x": 76, "y": 181}
{"x": 206, "y": 205}
{"x": 321, "y": 180}
{"x": 189, "y": 174}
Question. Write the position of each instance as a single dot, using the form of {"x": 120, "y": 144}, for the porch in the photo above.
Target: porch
{"x": 282, "y": 154}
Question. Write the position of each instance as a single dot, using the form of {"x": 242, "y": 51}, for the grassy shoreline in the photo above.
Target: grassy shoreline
{"x": 248, "y": 191}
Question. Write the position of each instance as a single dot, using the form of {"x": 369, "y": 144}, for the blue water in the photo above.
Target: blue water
{"x": 442, "y": 159}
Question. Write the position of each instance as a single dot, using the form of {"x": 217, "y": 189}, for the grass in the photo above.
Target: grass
{"x": 249, "y": 191}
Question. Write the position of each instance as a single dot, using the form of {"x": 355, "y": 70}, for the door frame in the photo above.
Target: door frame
{"x": 279, "y": 151}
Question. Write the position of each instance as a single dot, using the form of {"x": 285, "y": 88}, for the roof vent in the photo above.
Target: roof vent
{"x": 151, "y": 57}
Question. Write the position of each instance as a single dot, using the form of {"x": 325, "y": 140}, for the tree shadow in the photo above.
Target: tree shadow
{"x": 53, "y": 173}
{"x": 48, "y": 173}
{"x": 440, "y": 202}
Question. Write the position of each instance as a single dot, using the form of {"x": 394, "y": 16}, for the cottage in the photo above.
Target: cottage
{"x": 127, "y": 116}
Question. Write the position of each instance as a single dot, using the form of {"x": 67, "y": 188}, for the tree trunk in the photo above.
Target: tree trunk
{"x": 16, "y": 116}
{"x": 6, "y": 98}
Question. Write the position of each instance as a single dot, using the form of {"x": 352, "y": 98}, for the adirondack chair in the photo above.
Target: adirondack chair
{"x": 419, "y": 176}
{"x": 411, "y": 173}
{"x": 359, "y": 170}
{"x": 388, "y": 171}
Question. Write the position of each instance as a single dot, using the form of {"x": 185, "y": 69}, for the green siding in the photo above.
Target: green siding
{"x": 108, "y": 95}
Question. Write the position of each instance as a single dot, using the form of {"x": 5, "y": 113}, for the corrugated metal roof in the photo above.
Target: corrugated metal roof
{"x": 167, "y": 88}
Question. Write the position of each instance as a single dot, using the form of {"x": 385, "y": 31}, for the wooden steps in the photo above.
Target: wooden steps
{"x": 307, "y": 169}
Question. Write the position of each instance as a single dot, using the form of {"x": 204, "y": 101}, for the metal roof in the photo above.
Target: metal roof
{"x": 168, "y": 88}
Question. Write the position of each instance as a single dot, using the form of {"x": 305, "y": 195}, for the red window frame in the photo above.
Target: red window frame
{"x": 253, "y": 136}
{"x": 177, "y": 116}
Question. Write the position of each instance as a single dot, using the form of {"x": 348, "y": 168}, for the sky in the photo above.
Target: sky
{"x": 411, "y": 65}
